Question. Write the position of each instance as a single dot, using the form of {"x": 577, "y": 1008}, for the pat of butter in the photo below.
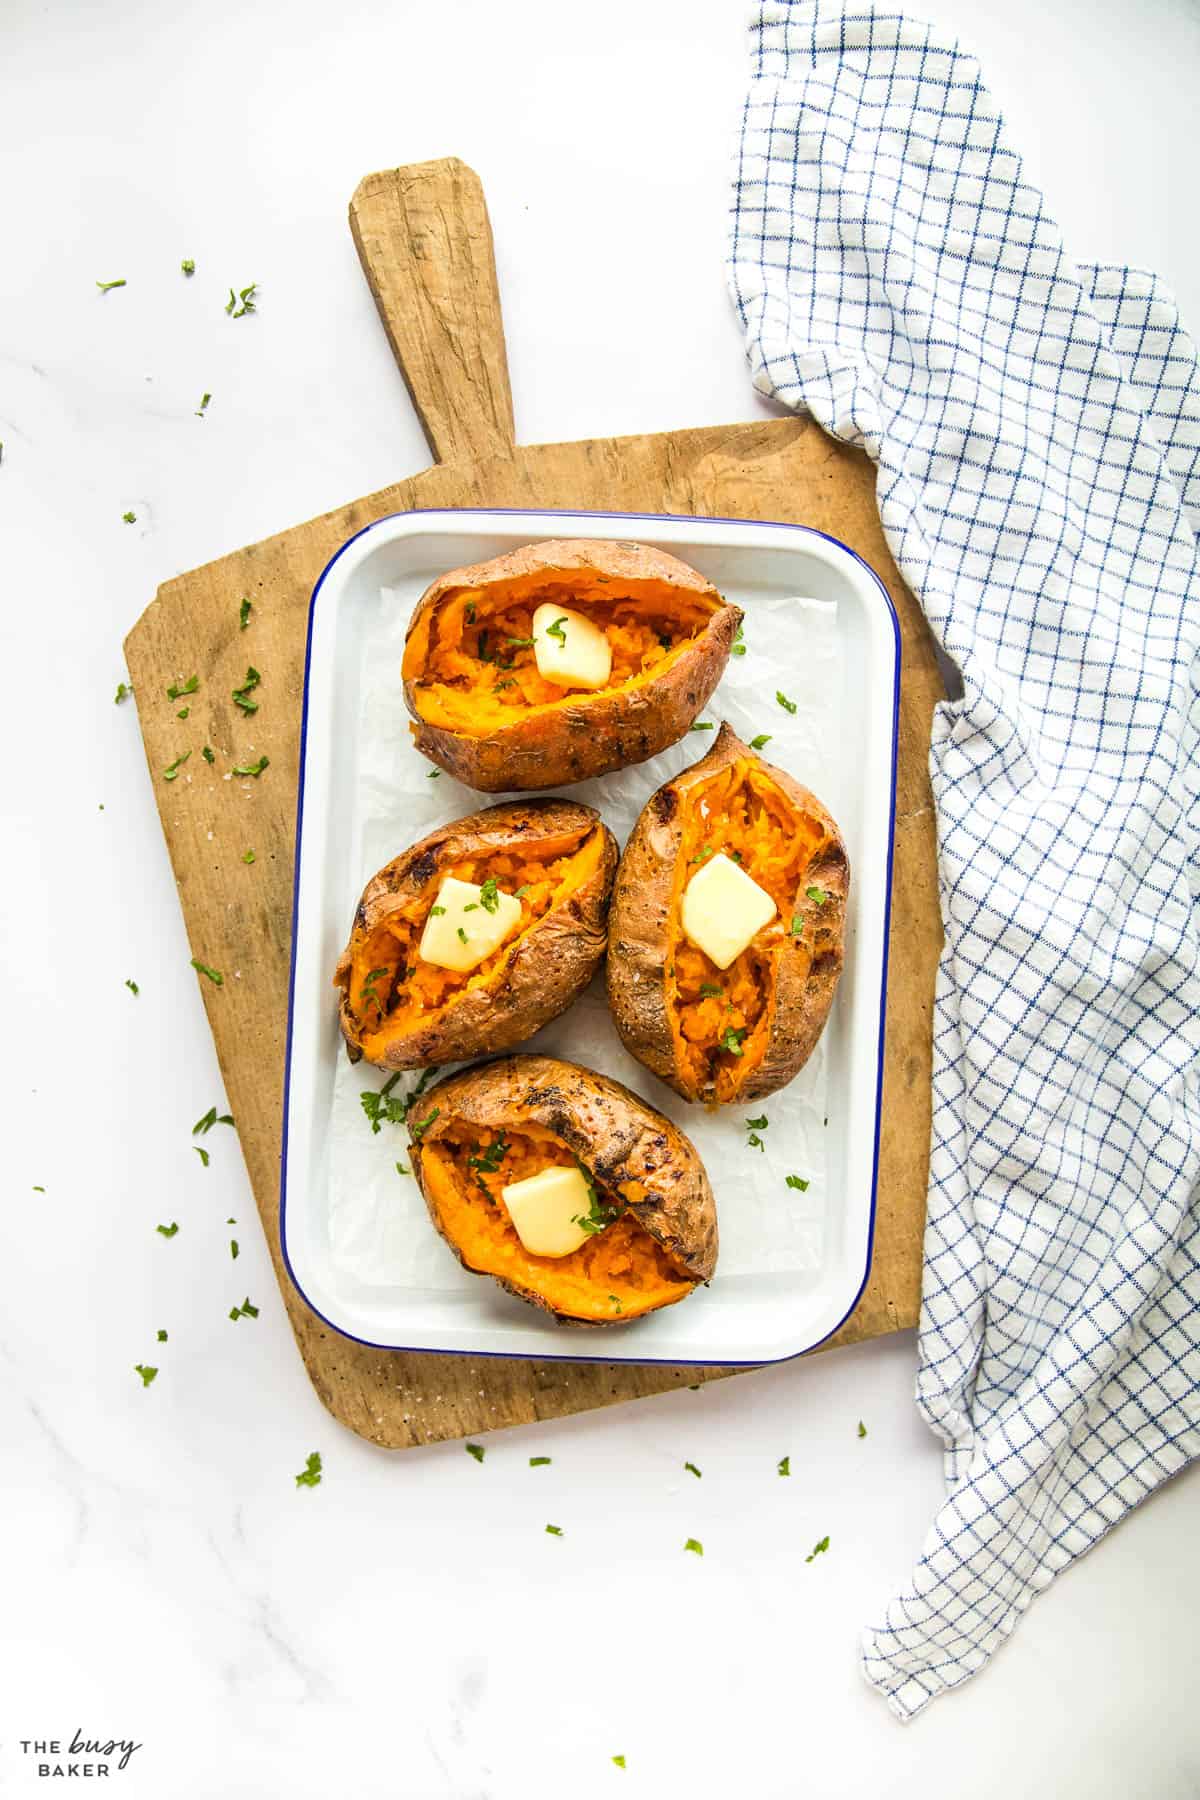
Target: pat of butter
{"x": 569, "y": 649}
{"x": 545, "y": 1207}
{"x": 460, "y": 931}
{"x": 723, "y": 909}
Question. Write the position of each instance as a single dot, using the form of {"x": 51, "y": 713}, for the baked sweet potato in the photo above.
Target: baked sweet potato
{"x": 733, "y": 1034}
{"x": 486, "y": 714}
{"x": 401, "y": 1011}
{"x": 653, "y": 1235}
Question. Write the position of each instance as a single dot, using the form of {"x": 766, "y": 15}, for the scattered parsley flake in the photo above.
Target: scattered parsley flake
{"x": 188, "y": 265}
{"x": 421, "y": 1126}
{"x": 403, "y": 1169}
{"x": 709, "y": 990}
{"x": 462, "y": 936}
{"x": 433, "y": 774}
{"x": 247, "y": 856}
{"x": 556, "y": 630}
{"x": 437, "y": 912}
{"x": 797, "y": 926}
{"x": 132, "y": 986}
{"x": 817, "y": 895}
{"x": 172, "y": 769}
{"x": 475, "y": 1450}
{"x": 693, "y": 1469}
{"x": 555, "y": 1530}
{"x": 701, "y": 725}
{"x": 123, "y": 692}
{"x": 244, "y": 611}
{"x": 167, "y": 1231}
{"x": 787, "y": 705}
{"x": 620, "y": 1761}
{"x": 246, "y": 297}
{"x": 241, "y": 695}
{"x": 162, "y": 1336}
{"x": 203, "y": 406}
{"x": 214, "y": 975}
{"x": 785, "y": 1465}
{"x": 107, "y": 286}
{"x": 738, "y": 647}
{"x": 252, "y": 768}
{"x": 538, "y": 1462}
{"x": 469, "y": 612}
{"x": 206, "y": 1123}
{"x": 384, "y": 1107}
{"x": 695, "y": 1546}
{"x": 39, "y": 1190}
{"x": 247, "y": 1310}
{"x": 489, "y": 895}
{"x": 145, "y": 1370}
{"x": 312, "y": 1471}
{"x": 798, "y": 1182}
{"x": 757, "y": 743}
{"x": 178, "y": 689}
{"x": 755, "y": 1127}
{"x": 519, "y": 643}
{"x": 233, "y": 1249}
{"x": 207, "y": 754}
{"x": 732, "y": 1040}
{"x": 129, "y": 518}
{"x": 818, "y": 1548}
{"x": 703, "y": 853}
{"x": 202, "y": 1153}
{"x": 862, "y": 1430}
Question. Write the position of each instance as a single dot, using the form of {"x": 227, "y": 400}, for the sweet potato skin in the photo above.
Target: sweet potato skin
{"x": 592, "y": 734}
{"x": 640, "y": 923}
{"x": 547, "y": 969}
{"x": 611, "y": 1130}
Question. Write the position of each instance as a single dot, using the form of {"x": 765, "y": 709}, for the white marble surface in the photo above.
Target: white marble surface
{"x": 408, "y": 1629}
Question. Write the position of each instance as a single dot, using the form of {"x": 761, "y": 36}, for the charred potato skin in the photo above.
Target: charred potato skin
{"x": 614, "y": 1132}
{"x": 546, "y": 971}
{"x": 639, "y": 921}
{"x": 592, "y": 735}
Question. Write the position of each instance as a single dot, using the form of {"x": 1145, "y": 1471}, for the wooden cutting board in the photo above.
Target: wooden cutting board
{"x": 425, "y": 243}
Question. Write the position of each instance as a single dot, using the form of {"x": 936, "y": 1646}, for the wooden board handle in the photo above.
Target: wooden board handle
{"x": 425, "y": 243}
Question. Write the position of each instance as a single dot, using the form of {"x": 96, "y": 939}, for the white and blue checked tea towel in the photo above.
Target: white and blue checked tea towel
{"x": 1036, "y": 425}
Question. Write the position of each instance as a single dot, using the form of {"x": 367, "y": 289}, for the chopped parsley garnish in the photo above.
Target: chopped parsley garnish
{"x": 252, "y": 768}
{"x": 473, "y": 907}
{"x": 129, "y": 518}
{"x": 703, "y": 853}
{"x": 177, "y": 690}
{"x": 862, "y": 1430}
{"x": 489, "y": 896}
{"x": 207, "y": 754}
{"x": 202, "y": 1153}
{"x": 695, "y": 1546}
{"x": 167, "y": 1231}
{"x": 366, "y": 994}
{"x": 403, "y": 1169}
{"x": 386, "y": 1108}
{"x": 244, "y": 611}
{"x": 233, "y": 1249}
{"x": 210, "y": 1119}
{"x": 538, "y": 1462}
{"x": 555, "y": 1530}
{"x": 787, "y": 705}
{"x": 489, "y": 1161}
{"x": 245, "y": 1311}
{"x": 709, "y": 990}
{"x": 172, "y": 769}
{"x": 39, "y": 1190}
{"x": 817, "y": 895}
{"x": 417, "y": 1131}
{"x": 481, "y": 649}
{"x": 214, "y": 975}
{"x": 437, "y": 912}
{"x": 763, "y": 738}
{"x": 247, "y": 856}
{"x": 162, "y": 1336}
{"x": 737, "y": 648}
{"x": 821, "y": 1545}
{"x": 475, "y": 1450}
{"x": 145, "y": 1370}
{"x": 620, "y": 1761}
{"x": 312, "y": 1471}
{"x": 556, "y": 630}
{"x": 701, "y": 725}
{"x": 754, "y": 1127}
{"x": 521, "y": 891}
{"x": 107, "y": 286}
{"x": 132, "y": 986}
{"x": 798, "y": 1182}
{"x": 785, "y": 1465}
{"x": 203, "y": 406}
{"x": 797, "y": 926}
{"x": 498, "y": 686}
{"x": 433, "y": 774}
{"x": 462, "y": 936}
{"x": 469, "y": 612}
{"x": 241, "y": 695}
{"x": 598, "y": 1216}
{"x": 188, "y": 265}
{"x": 183, "y": 712}
{"x": 691, "y": 1467}
{"x": 123, "y": 692}
{"x": 246, "y": 297}
{"x": 732, "y": 1040}
{"x": 519, "y": 643}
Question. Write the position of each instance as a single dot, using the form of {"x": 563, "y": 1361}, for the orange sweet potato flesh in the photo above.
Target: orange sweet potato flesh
{"x": 618, "y": 1274}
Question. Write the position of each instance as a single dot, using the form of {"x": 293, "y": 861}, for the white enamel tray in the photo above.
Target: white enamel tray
{"x": 741, "y": 1318}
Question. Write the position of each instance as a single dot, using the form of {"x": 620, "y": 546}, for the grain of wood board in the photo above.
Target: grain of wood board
{"x": 426, "y": 245}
